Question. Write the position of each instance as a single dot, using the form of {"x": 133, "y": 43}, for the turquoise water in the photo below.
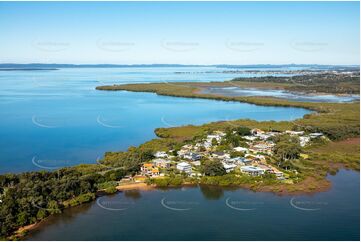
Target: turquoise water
{"x": 52, "y": 119}
{"x": 213, "y": 213}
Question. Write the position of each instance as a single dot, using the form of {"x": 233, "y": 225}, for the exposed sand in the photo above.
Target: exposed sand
{"x": 138, "y": 186}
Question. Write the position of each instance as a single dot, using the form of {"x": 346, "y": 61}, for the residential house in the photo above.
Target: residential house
{"x": 250, "y": 138}
{"x": 241, "y": 149}
{"x": 279, "y": 174}
{"x": 257, "y": 131}
{"x": 252, "y": 170}
{"x": 161, "y": 154}
{"x": 162, "y": 163}
{"x": 184, "y": 167}
{"x": 192, "y": 156}
{"x": 264, "y": 147}
{"x": 229, "y": 167}
{"x": 304, "y": 140}
{"x": 290, "y": 132}
{"x": 214, "y": 136}
{"x": 148, "y": 169}
{"x": 239, "y": 161}
{"x": 220, "y": 155}
{"x": 315, "y": 135}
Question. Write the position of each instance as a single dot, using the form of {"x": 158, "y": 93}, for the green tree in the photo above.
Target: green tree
{"x": 213, "y": 168}
{"x": 214, "y": 142}
{"x": 242, "y": 131}
{"x": 287, "y": 148}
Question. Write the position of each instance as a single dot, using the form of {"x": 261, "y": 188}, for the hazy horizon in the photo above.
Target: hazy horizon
{"x": 178, "y": 64}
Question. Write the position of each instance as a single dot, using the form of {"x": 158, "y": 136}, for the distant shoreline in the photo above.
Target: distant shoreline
{"x": 28, "y": 69}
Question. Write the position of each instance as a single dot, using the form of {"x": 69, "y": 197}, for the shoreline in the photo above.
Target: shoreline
{"x": 21, "y": 232}
{"x": 324, "y": 186}
{"x": 135, "y": 186}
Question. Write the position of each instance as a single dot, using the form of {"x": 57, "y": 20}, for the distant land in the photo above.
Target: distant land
{"x": 42, "y": 66}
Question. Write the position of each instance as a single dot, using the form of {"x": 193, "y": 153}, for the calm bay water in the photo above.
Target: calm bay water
{"x": 52, "y": 119}
{"x": 213, "y": 213}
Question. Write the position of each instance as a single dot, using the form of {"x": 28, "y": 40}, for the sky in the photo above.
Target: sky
{"x": 180, "y": 32}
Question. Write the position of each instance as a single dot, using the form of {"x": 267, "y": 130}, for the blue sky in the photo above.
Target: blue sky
{"x": 180, "y": 32}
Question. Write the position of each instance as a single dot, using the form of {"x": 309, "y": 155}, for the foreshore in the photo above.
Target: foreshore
{"x": 135, "y": 186}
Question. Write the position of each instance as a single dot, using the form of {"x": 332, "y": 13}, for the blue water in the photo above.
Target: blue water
{"x": 235, "y": 91}
{"x": 52, "y": 119}
{"x": 213, "y": 213}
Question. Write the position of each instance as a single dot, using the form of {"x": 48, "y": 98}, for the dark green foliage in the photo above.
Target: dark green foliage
{"x": 32, "y": 196}
{"x": 213, "y": 168}
{"x": 214, "y": 142}
{"x": 168, "y": 181}
{"x": 115, "y": 175}
{"x": 129, "y": 160}
{"x": 243, "y": 131}
{"x": 287, "y": 148}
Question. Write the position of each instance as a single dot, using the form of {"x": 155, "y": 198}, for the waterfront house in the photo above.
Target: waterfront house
{"x": 155, "y": 172}
{"x": 148, "y": 169}
{"x": 279, "y": 174}
{"x": 240, "y": 161}
{"x": 229, "y": 167}
{"x": 252, "y": 170}
{"x": 184, "y": 167}
{"x": 162, "y": 163}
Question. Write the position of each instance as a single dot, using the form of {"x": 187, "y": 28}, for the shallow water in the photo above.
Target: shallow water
{"x": 294, "y": 96}
{"x": 52, "y": 119}
{"x": 213, "y": 213}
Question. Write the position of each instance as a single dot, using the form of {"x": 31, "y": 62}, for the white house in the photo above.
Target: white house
{"x": 162, "y": 163}
{"x": 184, "y": 167}
{"x": 229, "y": 167}
{"x": 214, "y": 136}
{"x": 304, "y": 140}
{"x": 221, "y": 155}
{"x": 290, "y": 132}
{"x": 252, "y": 170}
{"x": 250, "y": 138}
{"x": 315, "y": 135}
{"x": 241, "y": 149}
{"x": 161, "y": 154}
